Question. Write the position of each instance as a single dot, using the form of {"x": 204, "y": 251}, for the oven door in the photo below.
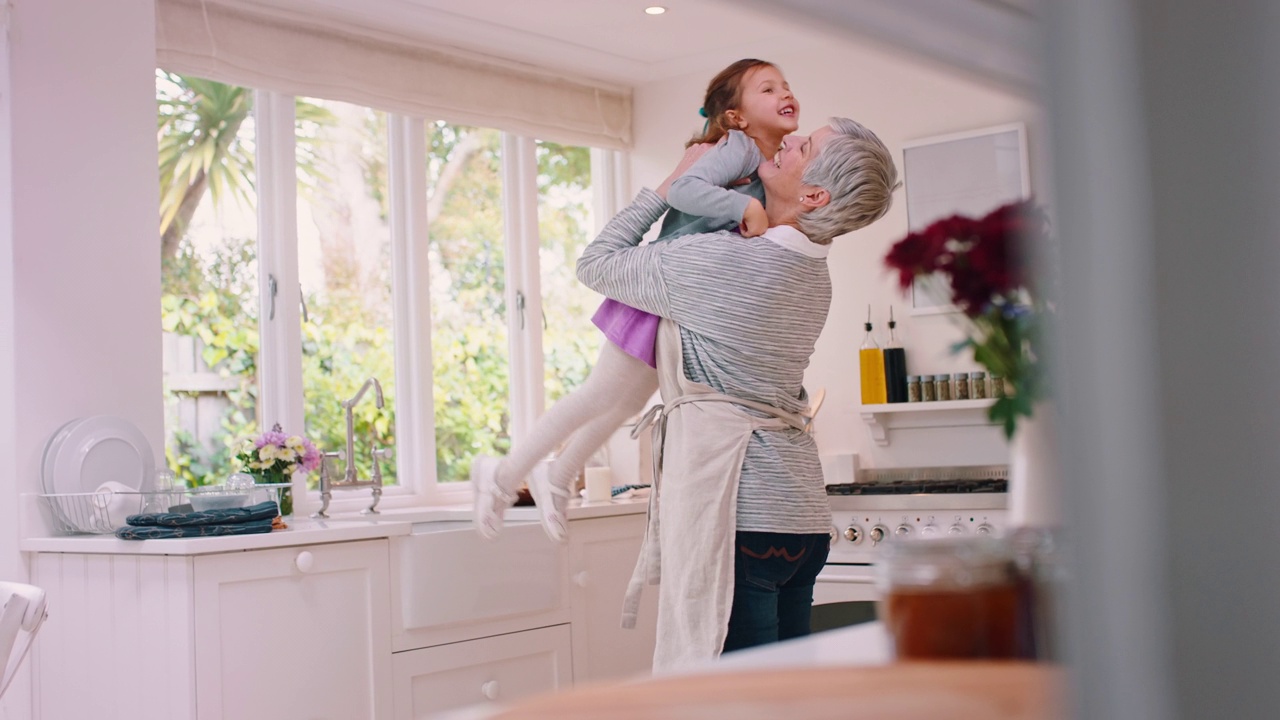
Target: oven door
{"x": 843, "y": 595}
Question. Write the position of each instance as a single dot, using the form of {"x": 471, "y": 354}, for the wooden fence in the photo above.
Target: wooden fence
{"x": 195, "y": 394}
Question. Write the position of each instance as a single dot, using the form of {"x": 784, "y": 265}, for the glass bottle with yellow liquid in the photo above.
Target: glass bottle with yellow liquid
{"x": 871, "y": 368}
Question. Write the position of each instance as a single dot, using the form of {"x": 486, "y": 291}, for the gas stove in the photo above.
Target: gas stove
{"x": 914, "y": 502}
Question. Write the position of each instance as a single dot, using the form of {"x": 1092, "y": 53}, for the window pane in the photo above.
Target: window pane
{"x": 344, "y": 266}
{"x": 570, "y": 342}
{"x": 209, "y": 300}
{"x": 468, "y": 309}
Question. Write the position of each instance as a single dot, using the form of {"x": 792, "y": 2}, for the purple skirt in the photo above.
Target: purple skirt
{"x": 635, "y": 331}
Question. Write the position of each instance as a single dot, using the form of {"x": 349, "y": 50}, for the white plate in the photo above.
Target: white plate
{"x": 100, "y": 449}
{"x": 51, "y": 451}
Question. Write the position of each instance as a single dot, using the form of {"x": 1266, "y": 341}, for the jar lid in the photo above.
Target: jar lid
{"x": 978, "y": 375}
{"x": 949, "y": 562}
{"x": 913, "y": 378}
{"x": 962, "y": 376}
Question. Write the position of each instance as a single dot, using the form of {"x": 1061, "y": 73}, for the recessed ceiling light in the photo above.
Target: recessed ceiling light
{"x": 655, "y": 10}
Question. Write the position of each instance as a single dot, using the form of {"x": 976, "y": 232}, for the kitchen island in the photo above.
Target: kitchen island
{"x": 835, "y": 674}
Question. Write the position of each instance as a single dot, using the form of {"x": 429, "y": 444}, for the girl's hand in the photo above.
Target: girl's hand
{"x": 754, "y": 220}
{"x": 691, "y": 155}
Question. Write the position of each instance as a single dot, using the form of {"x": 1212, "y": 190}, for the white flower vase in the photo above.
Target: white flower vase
{"x": 1035, "y": 479}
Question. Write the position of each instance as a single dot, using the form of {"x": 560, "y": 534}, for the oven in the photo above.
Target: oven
{"x": 898, "y": 503}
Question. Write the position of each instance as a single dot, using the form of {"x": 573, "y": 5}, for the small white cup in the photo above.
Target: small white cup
{"x": 599, "y": 484}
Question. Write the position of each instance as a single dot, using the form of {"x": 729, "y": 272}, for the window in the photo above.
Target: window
{"x": 344, "y": 271}
{"x": 565, "y": 226}
{"x": 327, "y": 243}
{"x": 470, "y": 369}
{"x": 209, "y": 301}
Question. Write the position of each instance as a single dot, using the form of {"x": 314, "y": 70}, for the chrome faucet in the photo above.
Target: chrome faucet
{"x": 350, "y": 478}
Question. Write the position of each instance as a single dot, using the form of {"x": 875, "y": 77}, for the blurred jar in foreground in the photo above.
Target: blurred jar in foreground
{"x": 953, "y": 598}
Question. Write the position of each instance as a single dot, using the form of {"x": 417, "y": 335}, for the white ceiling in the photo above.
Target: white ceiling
{"x": 608, "y": 40}
{"x": 614, "y": 41}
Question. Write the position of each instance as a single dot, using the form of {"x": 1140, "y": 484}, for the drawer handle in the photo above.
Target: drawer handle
{"x": 580, "y": 579}
{"x": 305, "y": 561}
{"x": 490, "y": 690}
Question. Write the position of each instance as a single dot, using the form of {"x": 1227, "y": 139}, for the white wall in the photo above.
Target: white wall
{"x": 901, "y": 99}
{"x": 79, "y": 271}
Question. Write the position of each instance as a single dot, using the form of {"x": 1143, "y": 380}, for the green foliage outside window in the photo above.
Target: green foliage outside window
{"x": 214, "y": 296}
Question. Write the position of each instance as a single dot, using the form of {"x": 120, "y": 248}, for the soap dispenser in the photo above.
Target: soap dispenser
{"x": 871, "y": 367}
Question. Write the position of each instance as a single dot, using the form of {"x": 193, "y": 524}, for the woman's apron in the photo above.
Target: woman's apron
{"x": 700, "y": 438}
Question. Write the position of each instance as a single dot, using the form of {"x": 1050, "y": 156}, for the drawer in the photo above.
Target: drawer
{"x": 501, "y": 669}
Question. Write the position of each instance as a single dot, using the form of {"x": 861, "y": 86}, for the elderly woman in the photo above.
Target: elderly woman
{"x": 738, "y": 522}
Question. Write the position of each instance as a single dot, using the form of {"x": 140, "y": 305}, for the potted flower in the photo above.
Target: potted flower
{"x": 275, "y": 457}
{"x": 985, "y": 265}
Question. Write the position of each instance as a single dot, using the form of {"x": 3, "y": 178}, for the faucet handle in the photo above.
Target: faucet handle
{"x": 383, "y": 453}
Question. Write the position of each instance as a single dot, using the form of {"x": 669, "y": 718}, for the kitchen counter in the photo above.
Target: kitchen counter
{"x": 309, "y": 531}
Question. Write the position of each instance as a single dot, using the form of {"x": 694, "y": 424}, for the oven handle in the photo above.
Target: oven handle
{"x": 850, "y": 574}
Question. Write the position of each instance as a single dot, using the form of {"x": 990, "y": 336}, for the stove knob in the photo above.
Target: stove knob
{"x": 956, "y": 529}
{"x": 928, "y": 531}
{"x": 832, "y": 537}
{"x": 877, "y": 534}
{"x": 984, "y": 529}
{"x": 902, "y": 530}
{"x": 853, "y": 534}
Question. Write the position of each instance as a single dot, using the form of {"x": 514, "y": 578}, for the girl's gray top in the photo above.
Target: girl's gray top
{"x": 701, "y": 202}
{"x": 750, "y": 311}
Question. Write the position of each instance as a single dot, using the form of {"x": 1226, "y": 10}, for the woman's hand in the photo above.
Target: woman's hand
{"x": 754, "y": 220}
{"x": 691, "y": 155}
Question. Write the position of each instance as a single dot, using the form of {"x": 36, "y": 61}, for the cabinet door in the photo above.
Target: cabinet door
{"x": 297, "y": 632}
{"x": 602, "y": 554}
{"x": 498, "y": 669}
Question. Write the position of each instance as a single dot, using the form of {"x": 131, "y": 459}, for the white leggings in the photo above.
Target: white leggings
{"x": 617, "y": 389}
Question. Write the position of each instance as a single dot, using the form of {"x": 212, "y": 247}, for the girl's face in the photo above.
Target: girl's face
{"x": 767, "y": 106}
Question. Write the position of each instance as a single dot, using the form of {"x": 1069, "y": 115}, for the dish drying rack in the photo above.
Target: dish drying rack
{"x": 101, "y": 512}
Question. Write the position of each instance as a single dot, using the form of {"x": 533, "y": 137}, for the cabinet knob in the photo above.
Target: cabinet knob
{"x": 580, "y": 579}
{"x": 490, "y": 690}
{"x": 305, "y": 561}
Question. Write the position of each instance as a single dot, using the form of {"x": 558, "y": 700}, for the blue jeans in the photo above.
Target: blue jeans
{"x": 773, "y": 586}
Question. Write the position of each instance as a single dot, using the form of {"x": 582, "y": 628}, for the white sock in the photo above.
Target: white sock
{"x": 606, "y": 398}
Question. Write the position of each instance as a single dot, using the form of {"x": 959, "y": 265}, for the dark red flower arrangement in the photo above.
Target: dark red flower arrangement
{"x": 984, "y": 262}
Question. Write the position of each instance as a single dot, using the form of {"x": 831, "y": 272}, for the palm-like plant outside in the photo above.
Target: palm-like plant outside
{"x": 198, "y": 124}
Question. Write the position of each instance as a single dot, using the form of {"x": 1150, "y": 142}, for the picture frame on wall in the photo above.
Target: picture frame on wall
{"x": 967, "y": 173}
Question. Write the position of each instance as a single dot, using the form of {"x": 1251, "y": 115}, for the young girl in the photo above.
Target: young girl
{"x": 750, "y": 110}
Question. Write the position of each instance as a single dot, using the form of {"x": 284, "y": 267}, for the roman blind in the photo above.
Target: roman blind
{"x": 260, "y": 48}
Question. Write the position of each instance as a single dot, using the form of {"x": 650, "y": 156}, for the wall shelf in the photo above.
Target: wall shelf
{"x": 882, "y": 418}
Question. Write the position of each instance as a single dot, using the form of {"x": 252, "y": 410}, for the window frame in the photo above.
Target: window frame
{"x": 280, "y": 361}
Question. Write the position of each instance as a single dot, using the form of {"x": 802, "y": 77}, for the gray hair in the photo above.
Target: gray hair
{"x": 856, "y": 169}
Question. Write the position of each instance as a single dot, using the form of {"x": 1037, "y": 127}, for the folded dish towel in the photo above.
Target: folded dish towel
{"x": 156, "y": 532}
{"x": 230, "y": 516}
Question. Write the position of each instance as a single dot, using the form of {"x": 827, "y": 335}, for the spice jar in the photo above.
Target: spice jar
{"x": 997, "y": 386}
{"x": 951, "y": 598}
{"x": 913, "y": 388}
{"x": 977, "y": 385}
{"x": 942, "y": 387}
{"x": 961, "y": 386}
{"x": 927, "y": 393}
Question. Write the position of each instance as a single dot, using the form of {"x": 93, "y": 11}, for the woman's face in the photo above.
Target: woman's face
{"x": 766, "y": 105}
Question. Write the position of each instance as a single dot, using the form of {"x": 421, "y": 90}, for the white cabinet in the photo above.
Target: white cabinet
{"x": 602, "y": 554}
{"x": 300, "y": 632}
{"x": 501, "y": 669}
